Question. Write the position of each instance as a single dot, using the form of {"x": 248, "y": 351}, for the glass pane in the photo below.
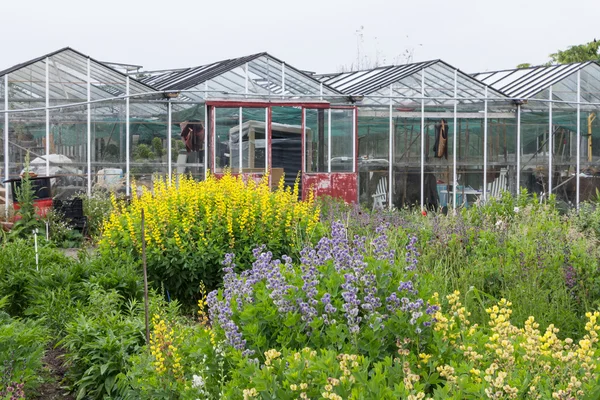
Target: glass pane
{"x": 188, "y": 141}
{"x": 373, "y": 156}
{"x": 286, "y": 144}
{"x": 253, "y": 139}
{"x": 342, "y": 124}
{"x": 316, "y": 140}
{"x": 226, "y": 123}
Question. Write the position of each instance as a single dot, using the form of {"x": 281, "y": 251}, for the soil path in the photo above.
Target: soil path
{"x": 52, "y": 389}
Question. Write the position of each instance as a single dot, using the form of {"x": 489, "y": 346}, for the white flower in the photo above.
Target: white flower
{"x": 197, "y": 381}
{"x": 516, "y": 210}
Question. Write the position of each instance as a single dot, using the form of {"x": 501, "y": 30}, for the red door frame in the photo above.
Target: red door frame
{"x": 348, "y": 179}
{"x": 342, "y": 185}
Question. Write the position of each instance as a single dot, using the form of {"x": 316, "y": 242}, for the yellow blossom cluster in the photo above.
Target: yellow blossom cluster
{"x": 496, "y": 359}
{"x": 329, "y": 388}
{"x": 164, "y": 350}
{"x": 202, "y": 306}
{"x": 190, "y": 215}
{"x": 347, "y": 363}
{"x": 502, "y": 331}
{"x": 270, "y": 356}
{"x": 457, "y": 318}
{"x": 250, "y": 393}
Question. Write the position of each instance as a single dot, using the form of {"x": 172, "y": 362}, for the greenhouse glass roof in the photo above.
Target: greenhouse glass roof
{"x": 266, "y": 75}
{"x": 67, "y": 83}
{"x": 534, "y": 82}
{"x": 405, "y": 82}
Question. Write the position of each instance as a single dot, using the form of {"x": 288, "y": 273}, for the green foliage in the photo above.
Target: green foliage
{"x": 60, "y": 232}
{"x": 204, "y": 368}
{"x": 96, "y": 208}
{"x": 546, "y": 263}
{"x": 579, "y": 53}
{"x": 157, "y": 147}
{"x": 22, "y": 346}
{"x": 524, "y": 65}
{"x": 99, "y": 342}
{"x": 28, "y": 219}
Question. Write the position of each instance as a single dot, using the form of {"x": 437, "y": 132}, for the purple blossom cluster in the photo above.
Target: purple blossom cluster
{"x": 220, "y": 311}
{"x": 412, "y": 254}
{"x": 14, "y": 390}
{"x": 381, "y": 250}
{"x": 310, "y": 277}
{"x": 570, "y": 276}
{"x": 360, "y": 303}
{"x": 329, "y": 310}
{"x": 415, "y": 306}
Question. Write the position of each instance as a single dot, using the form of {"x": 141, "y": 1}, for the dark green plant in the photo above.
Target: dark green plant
{"x": 22, "y": 345}
{"x": 99, "y": 342}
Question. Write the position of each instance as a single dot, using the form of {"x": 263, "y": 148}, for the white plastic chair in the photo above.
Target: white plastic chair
{"x": 380, "y": 196}
{"x": 499, "y": 185}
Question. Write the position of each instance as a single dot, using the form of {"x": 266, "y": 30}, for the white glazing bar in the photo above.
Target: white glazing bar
{"x": 240, "y": 143}
{"x": 169, "y": 140}
{"x": 329, "y": 141}
{"x": 390, "y": 147}
{"x": 518, "y": 148}
{"x": 89, "y": 128}
{"x": 213, "y": 137}
{"x": 303, "y": 139}
{"x": 485, "y": 143}
{"x": 354, "y": 139}
{"x": 206, "y": 130}
{"x": 422, "y": 138}
{"x": 578, "y": 137}
{"x": 321, "y": 90}
{"x": 267, "y": 141}
{"x": 7, "y": 194}
{"x": 550, "y": 146}
{"x": 283, "y": 80}
{"x": 127, "y": 139}
{"x": 246, "y": 78}
{"x": 454, "y": 141}
{"x": 47, "y": 116}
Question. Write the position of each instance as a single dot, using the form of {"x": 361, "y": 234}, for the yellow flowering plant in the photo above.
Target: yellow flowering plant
{"x": 191, "y": 225}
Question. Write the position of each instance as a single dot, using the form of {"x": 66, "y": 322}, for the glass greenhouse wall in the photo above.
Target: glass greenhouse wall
{"x": 427, "y": 134}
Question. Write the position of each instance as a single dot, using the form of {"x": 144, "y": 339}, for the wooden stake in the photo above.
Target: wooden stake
{"x": 145, "y": 279}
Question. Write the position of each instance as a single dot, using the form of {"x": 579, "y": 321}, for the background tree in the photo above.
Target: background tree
{"x": 579, "y": 53}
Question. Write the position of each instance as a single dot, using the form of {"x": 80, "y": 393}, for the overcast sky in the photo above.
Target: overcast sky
{"x": 316, "y": 35}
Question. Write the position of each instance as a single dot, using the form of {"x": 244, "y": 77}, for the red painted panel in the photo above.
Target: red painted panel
{"x": 338, "y": 185}
{"x": 41, "y": 206}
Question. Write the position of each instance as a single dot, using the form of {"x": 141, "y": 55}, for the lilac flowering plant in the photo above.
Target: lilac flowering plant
{"x": 343, "y": 294}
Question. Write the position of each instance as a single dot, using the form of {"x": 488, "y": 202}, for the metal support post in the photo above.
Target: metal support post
{"x": 391, "y": 148}
{"x": 127, "y": 140}
{"x": 329, "y": 140}
{"x": 47, "y": 116}
{"x": 578, "y": 172}
{"x": 422, "y": 139}
{"x": 550, "y": 142}
{"x": 169, "y": 141}
{"x": 89, "y": 129}
{"x": 7, "y": 193}
{"x": 454, "y": 141}
{"x": 485, "y": 143}
{"x": 518, "y": 149}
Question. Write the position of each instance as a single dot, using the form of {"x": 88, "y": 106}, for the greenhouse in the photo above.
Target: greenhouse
{"x": 424, "y": 134}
